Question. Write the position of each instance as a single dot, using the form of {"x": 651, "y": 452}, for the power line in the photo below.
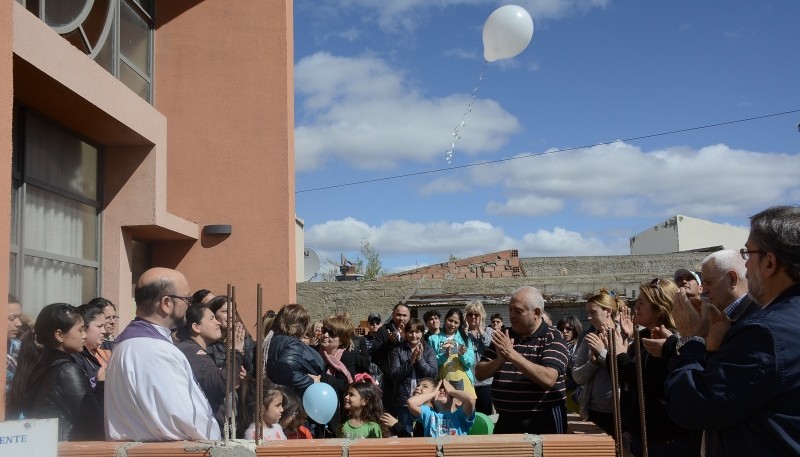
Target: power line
{"x": 538, "y": 154}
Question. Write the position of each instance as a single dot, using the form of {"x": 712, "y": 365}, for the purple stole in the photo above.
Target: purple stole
{"x": 139, "y": 328}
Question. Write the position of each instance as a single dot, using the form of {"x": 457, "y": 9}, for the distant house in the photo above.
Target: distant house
{"x": 684, "y": 233}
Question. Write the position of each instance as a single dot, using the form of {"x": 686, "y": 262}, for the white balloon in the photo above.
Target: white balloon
{"x": 506, "y": 33}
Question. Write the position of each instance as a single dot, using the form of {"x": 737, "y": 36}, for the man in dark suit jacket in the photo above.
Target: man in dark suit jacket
{"x": 746, "y": 394}
{"x": 389, "y": 336}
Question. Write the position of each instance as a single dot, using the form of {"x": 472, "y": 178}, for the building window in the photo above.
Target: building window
{"x": 117, "y": 34}
{"x": 55, "y": 204}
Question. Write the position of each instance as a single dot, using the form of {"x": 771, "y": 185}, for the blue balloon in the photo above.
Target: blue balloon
{"x": 320, "y": 402}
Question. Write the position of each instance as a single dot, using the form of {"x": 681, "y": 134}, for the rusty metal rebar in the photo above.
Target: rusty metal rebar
{"x": 637, "y": 340}
{"x": 259, "y": 363}
{"x": 615, "y": 393}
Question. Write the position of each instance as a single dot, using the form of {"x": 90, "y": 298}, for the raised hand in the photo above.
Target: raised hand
{"x": 691, "y": 317}
{"x": 416, "y": 353}
{"x": 238, "y": 341}
{"x": 388, "y": 420}
{"x": 503, "y": 343}
{"x": 626, "y": 322}
{"x": 655, "y": 344}
{"x": 596, "y": 343}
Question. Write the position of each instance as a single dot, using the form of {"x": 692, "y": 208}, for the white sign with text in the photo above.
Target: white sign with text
{"x": 33, "y": 437}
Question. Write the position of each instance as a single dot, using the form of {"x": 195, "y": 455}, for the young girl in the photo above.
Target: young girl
{"x": 294, "y": 417}
{"x": 364, "y": 409}
{"x": 454, "y": 352}
{"x": 273, "y": 410}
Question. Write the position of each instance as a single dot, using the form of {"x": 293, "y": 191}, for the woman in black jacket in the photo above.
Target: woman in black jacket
{"x": 49, "y": 384}
{"x": 203, "y": 329}
{"x": 219, "y": 306}
{"x": 93, "y": 357}
{"x": 664, "y": 437}
{"x": 289, "y": 361}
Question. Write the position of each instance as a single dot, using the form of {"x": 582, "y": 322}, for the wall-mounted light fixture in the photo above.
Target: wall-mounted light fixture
{"x": 218, "y": 229}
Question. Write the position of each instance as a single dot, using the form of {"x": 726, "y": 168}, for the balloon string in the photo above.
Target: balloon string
{"x": 457, "y": 131}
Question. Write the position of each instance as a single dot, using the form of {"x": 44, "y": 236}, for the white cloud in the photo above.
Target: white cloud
{"x": 366, "y": 113}
{"x": 443, "y": 186}
{"x": 528, "y": 205}
{"x": 561, "y": 242}
{"x": 463, "y": 54}
{"x": 351, "y": 34}
{"x": 405, "y": 16}
{"x": 342, "y": 235}
{"x": 621, "y": 180}
{"x": 559, "y": 9}
{"x": 441, "y": 238}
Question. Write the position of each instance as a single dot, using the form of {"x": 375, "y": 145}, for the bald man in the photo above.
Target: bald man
{"x": 528, "y": 363}
{"x": 151, "y": 393}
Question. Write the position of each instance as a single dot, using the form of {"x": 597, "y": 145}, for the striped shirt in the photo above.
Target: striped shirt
{"x": 512, "y": 391}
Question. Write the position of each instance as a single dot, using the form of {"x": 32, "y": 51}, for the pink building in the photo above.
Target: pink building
{"x": 127, "y": 127}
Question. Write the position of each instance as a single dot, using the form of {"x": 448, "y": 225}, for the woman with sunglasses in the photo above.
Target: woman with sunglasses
{"x": 337, "y": 351}
{"x": 571, "y": 328}
{"x": 652, "y": 313}
{"x": 481, "y": 337}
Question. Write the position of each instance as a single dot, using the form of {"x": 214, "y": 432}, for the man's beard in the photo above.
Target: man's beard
{"x": 755, "y": 288}
{"x": 177, "y": 322}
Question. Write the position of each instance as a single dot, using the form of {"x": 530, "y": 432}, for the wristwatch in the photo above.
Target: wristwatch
{"x": 685, "y": 339}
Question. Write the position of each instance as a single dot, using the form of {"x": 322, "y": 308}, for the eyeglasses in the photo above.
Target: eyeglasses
{"x": 654, "y": 282}
{"x": 566, "y": 328}
{"x": 188, "y": 300}
{"x": 375, "y": 323}
{"x": 330, "y": 332}
{"x": 112, "y": 318}
{"x": 746, "y": 252}
{"x": 473, "y": 314}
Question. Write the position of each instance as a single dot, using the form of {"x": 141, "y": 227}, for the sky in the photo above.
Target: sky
{"x": 618, "y": 115}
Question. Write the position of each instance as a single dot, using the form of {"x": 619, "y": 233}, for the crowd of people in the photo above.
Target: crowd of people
{"x": 703, "y": 363}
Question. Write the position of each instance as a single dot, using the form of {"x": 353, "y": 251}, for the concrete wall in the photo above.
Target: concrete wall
{"x": 566, "y": 279}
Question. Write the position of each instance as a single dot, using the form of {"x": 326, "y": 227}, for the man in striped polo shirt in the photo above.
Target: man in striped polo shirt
{"x": 528, "y": 363}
